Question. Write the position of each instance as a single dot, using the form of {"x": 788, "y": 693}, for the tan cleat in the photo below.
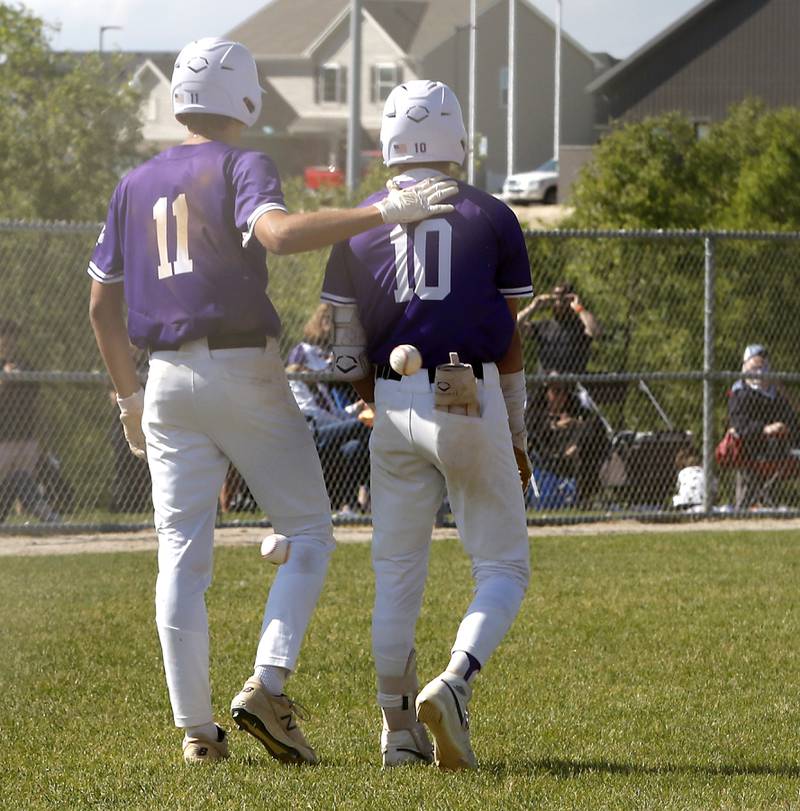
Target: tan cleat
{"x": 272, "y": 720}
{"x": 199, "y": 750}
{"x": 442, "y": 707}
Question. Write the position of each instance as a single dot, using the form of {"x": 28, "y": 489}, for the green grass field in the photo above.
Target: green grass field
{"x": 645, "y": 671}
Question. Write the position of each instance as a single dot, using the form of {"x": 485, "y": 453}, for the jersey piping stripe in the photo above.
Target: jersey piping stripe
{"x": 104, "y": 278}
{"x": 252, "y": 219}
{"x": 332, "y": 299}
{"x": 517, "y": 291}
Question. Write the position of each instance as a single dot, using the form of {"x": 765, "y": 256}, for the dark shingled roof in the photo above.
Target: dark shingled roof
{"x": 662, "y": 38}
{"x": 289, "y": 27}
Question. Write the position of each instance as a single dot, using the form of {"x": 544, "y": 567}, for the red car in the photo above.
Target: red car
{"x": 323, "y": 177}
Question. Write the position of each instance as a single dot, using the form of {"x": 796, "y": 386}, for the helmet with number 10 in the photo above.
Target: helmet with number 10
{"x": 216, "y": 76}
{"x": 422, "y": 123}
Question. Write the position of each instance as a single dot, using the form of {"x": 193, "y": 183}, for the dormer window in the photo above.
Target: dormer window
{"x": 332, "y": 84}
{"x": 385, "y": 77}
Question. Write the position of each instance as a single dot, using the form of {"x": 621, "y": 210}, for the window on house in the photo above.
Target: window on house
{"x": 504, "y": 87}
{"x": 151, "y": 107}
{"x": 702, "y": 129}
{"x": 384, "y": 79}
{"x": 332, "y": 84}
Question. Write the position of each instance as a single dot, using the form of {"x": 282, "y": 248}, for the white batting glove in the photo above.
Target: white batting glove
{"x": 130, "y": 414}
{"x": 418, "y": 201}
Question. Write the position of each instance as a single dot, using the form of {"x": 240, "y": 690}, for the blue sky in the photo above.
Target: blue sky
{"x": 616, "y": 26}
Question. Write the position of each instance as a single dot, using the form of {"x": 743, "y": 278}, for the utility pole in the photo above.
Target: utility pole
{"x": 354, "y": 120}
{"x": 473, "y": 81}
{"x": 512, "y": 84}
{"x": 103, "y": 29}
{"x": 557, "y": 86}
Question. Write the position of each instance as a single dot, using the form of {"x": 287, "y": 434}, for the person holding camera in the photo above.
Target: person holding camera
{"x": 564, "y": 341}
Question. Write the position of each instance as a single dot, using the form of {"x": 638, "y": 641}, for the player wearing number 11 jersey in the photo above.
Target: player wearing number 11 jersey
{"x": 448, "y": 284}
{"x": 184, "y": 248}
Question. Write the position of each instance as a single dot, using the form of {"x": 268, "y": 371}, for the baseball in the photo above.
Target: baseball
{"x": 275, "y": 549}
{"x": 405, "y": 359}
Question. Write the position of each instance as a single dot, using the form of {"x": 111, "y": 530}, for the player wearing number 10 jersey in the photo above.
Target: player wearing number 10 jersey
{"x": 184, "y": 247}
{"x": 448, "y": 284}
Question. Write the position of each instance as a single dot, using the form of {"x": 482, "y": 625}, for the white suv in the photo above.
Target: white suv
{"x": 540, "y": 185}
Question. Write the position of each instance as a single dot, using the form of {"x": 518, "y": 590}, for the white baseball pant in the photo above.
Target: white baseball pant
{"x": 416, "y": 453}
{"x": 203, "y": 408}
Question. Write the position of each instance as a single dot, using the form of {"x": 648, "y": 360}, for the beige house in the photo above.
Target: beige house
{"x": 303, "y": 51}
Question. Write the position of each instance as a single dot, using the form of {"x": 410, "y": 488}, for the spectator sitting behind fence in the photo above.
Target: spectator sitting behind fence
{"x": 564, "y": 341}
{"x": 570, "y": 440}
{"x": 342, "y": 440}
{"x": 314, "y": 351}
{"x": 20, "y": 451}
{"x": 762, "y": 417}
{"x": 341, "y": 430}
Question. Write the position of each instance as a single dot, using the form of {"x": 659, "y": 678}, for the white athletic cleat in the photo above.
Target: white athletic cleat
{"x": 200, "y": 750}
{"x": 272, "y": 720}
{"x": 442, "y": 707}
{"x": 405, "y": 746}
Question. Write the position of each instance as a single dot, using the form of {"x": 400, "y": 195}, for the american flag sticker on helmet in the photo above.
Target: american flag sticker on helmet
{"x": 400, "y": 149}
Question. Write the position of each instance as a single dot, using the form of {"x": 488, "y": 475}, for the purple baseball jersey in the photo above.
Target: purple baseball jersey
{"x": 439, "y": 284}
{"x": 179, "y": 233}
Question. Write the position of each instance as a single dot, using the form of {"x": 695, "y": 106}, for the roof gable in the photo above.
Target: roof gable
{"x": 286, "y": 27}
{"x": 692, "y": 17}
{"x": 401, "y": 20}
{"x": 147, "y": 75}
{"x": 292, "y": 28}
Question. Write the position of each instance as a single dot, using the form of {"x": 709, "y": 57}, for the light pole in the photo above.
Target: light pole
{"x": 354, "y": 119}
{"x": 103, "y": 29}
{"x": 557, "y": 86}
{"x": 511, "y": 84}
{"x": 473, "y": 81}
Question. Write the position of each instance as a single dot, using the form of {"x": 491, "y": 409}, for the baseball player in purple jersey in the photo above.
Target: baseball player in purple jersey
{"x": 448, "y": 284}
{"x": 184, "y": 248}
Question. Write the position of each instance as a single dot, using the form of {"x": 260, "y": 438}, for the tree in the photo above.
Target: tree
{"x": 757, "y": 152}
{"x": 656, "y": 173}
{"x": 648, "y": 294}
{"x": 642, "y": 175}
{"x": 70, "y": 125}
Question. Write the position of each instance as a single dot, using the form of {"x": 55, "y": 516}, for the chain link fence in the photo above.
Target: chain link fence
{"x": 635, "y": 379}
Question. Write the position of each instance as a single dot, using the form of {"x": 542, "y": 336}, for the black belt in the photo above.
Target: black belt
{"x": 385, "y": 372}
{"x": 237, "y": 340}
{"x": 231, "y": 340}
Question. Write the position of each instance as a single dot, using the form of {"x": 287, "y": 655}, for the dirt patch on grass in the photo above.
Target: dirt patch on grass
{"x": 145, "y": 540}
{"x": 537, "y": 216}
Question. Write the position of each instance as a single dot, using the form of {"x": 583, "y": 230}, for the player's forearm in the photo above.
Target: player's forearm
{"x": 590, "y": 324}
{"x": 512, "y": 361}
{"x": 108, "y": 323}
{"x": 365, "y": 388}
{"x": 292, "y": 233}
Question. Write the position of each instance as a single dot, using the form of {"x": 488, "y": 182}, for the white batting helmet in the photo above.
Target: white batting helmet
{"x": 214, "y": 75}
{"x": 422, "y": 123}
